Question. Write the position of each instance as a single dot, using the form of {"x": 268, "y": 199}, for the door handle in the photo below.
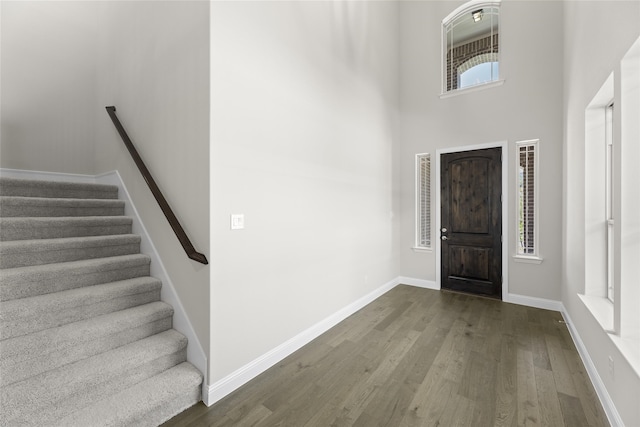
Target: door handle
{"x": 444, "y": 238}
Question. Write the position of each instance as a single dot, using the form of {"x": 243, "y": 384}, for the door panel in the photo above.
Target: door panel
{"x": 469, "y": 181}
{"x": 471, "y": 220}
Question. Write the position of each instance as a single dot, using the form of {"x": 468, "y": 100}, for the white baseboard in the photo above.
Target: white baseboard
{"x": 511, "y": 298}
{"x": 231, "y": 382}
{"x": 181, "y": 323}
{"x": 607, "y": 403}
{"x": 420, "y": 283}
{"x": 546, "y": 304}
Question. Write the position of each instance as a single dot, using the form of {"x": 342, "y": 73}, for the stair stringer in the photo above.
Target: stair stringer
{"x": 181, "y": 323}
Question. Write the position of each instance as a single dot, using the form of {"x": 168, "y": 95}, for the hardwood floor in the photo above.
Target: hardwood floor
{"x": 418, "y": 357}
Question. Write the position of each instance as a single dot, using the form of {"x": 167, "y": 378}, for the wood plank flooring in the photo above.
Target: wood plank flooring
{"x": 418, "y": 357}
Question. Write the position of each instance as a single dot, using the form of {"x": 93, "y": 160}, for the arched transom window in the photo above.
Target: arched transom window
{"x": 471, "y": 45}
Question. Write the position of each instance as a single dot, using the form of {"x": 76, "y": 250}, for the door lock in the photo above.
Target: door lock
{"x": 444, "y": 230}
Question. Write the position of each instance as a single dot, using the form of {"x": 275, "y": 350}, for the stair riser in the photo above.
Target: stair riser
{"x": 33, "y": 285}
{"x": 27, "y": 325}
{"x": 146, "y": 404}
{"x": 29, "y": 233}
{"x": 57, "y": 193}
{"x": 55, "y": 406}
{"x": 40, "y": 257}
{"x": 56, "y": 339}
{"x": 58, "y": 190}
{"x": 90, "y": 380}
{"x": 37, "y": 361}
{"x": 164, "y": 411}
{"x": 96, "y": 392}
{"x": 11, "y": 211}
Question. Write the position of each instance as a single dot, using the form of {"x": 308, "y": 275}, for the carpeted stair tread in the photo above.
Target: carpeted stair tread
{"x": 43, "y": 399}
{"x": 163, "y": 396}
{"x": 28, "y": 315}
{"x": 28, "y": 228}
{"x": 29, "y": 355}
{"x": 14, "y": 206}
{"x": 22, "y": 253}
{"x": 37, "y": 188}
{"x": 84, "y": 337}
{"x": 22, "y": 282}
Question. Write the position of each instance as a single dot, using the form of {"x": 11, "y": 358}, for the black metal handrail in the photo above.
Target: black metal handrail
{"x": 164, "y": 205}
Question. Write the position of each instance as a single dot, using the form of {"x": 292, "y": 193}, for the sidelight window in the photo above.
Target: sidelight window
{"x": 423, "y": 201}
{"x": 527, "y": 184}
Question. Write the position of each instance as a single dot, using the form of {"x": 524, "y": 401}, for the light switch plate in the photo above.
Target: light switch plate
{"x": 237, "y": 221}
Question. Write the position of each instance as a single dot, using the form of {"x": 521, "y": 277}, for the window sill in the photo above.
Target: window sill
{"x": 602, "y": 309}
{"x": 422, "y": 250}
{"x": 630, "y": 349}
{"x": 528, "y": 259}
{"x": 476, "y": 88}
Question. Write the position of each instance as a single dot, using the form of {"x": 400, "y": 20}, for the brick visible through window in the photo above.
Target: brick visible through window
{"x": 461, "y": 58}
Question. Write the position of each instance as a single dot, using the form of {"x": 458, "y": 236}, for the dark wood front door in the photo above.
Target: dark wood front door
{"x": 471, "y": 221}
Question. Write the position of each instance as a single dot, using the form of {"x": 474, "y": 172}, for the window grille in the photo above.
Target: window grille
{"x": 423, "y": 166}
{"x": 470, "y": 36}
{"x": 527, "y": 200}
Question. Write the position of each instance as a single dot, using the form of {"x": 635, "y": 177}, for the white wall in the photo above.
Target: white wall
{"x": 527, "y": 106}
{"x": 597, "y": 36}
{"x": 48, "y": 80}
{"x": 304, "y": 145}
{"x": 154, "y": 67}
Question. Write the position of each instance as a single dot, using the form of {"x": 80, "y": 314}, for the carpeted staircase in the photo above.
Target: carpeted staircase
{"x": 84, "y": 338}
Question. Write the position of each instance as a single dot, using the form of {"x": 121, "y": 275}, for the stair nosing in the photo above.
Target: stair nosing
{"x": 84, "y": 242}
{"x": 22, "y": 182}
{"x": 158, "y": 310}
{"x": 171, "y": 341}
{"x": 187, "y": 374}
{"x": 45, "y": 201}
{"x": 64, "y": 220}
{"x": 139, "y": 259}
{"x": 8, "y": 307}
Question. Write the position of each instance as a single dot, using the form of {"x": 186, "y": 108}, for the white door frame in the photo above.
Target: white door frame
{"x": 505, "y": 208}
